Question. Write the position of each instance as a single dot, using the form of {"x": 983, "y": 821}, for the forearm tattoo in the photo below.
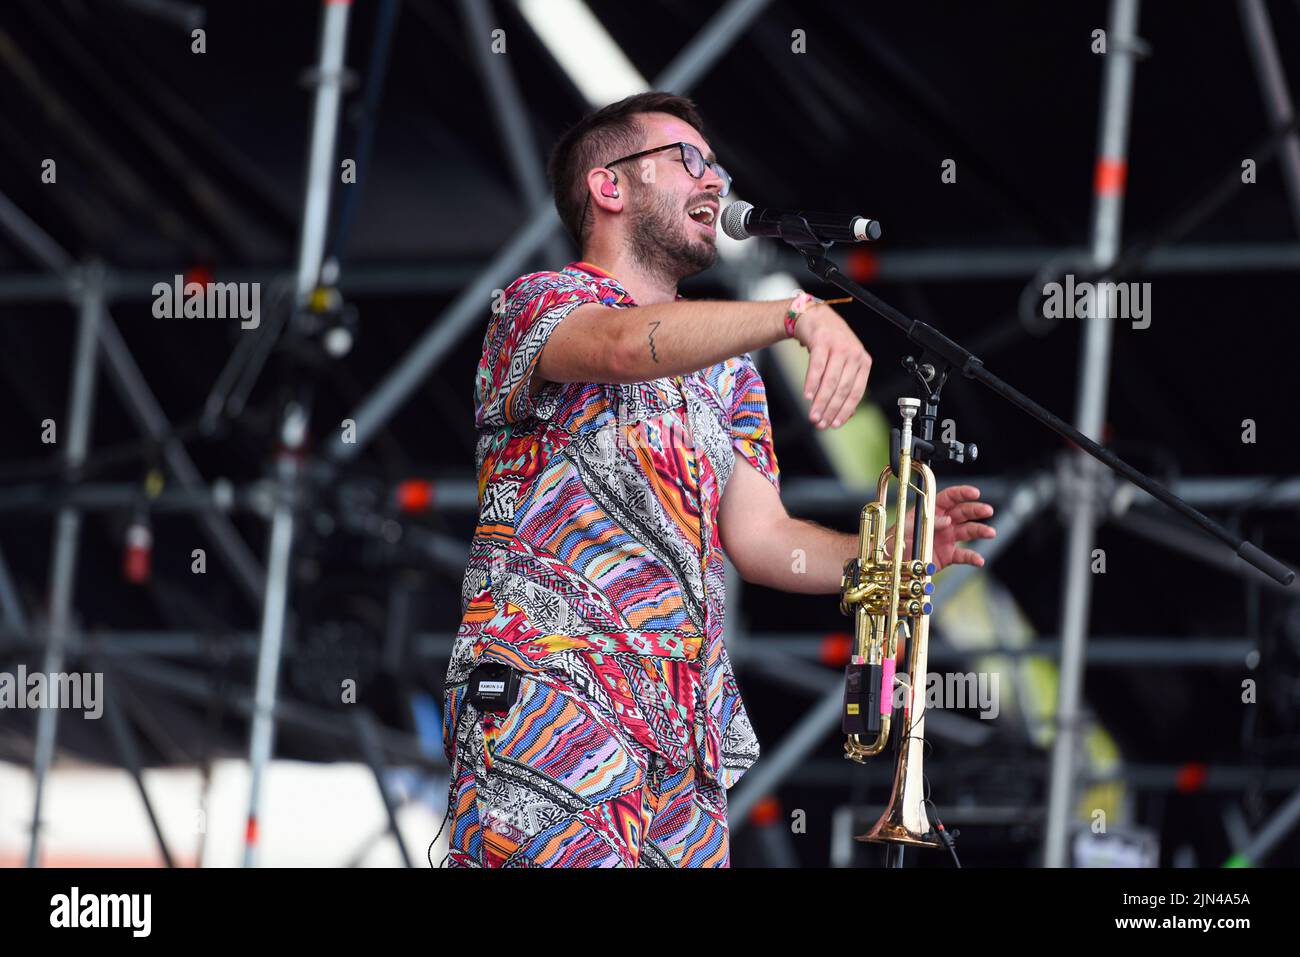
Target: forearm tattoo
{"x": 653, "y": 353}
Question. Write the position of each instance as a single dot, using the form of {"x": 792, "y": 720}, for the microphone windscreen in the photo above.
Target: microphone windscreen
{"x": 733, "y": 219}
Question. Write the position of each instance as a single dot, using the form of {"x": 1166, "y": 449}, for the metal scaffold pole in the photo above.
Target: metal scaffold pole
{"x": 67, "y": 535}
{"x": 1094, "y": 373}
{"x": 295, "y": 416}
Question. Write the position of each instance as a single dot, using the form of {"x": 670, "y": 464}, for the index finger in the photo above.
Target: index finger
{"x": 955, "y": 494}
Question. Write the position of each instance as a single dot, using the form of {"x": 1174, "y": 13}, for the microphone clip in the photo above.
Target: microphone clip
{"x": 796, "y": 231}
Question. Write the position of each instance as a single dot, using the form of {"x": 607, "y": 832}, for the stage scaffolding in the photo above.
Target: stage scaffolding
{"x": 93, "y": 287}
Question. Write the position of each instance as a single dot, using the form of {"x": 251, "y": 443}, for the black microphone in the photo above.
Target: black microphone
{"x": 741, "y": 220}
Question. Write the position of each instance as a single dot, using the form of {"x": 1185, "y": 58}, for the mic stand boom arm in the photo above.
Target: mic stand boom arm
{"x": 940, "y": 355}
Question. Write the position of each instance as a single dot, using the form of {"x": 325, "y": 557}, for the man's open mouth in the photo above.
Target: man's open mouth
{"x": 703, "y": 214}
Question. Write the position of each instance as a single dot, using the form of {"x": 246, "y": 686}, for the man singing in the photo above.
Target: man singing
{"x": 592, "y": 717}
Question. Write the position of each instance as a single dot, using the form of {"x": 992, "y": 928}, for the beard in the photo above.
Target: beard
{"x": 659, "y": 240}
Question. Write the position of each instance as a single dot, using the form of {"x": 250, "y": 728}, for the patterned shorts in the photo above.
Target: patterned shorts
{"x": 556, "y": 783}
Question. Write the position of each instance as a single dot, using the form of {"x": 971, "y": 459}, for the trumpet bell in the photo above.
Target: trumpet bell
{"x": 905, "y": 820}
{"x": 891, "y": 832}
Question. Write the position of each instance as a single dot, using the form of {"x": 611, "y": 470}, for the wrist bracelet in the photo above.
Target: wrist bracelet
{"x": 798, "y": 305}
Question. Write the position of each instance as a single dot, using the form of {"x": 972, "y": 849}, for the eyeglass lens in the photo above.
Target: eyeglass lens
{"x": 694, "y": 162}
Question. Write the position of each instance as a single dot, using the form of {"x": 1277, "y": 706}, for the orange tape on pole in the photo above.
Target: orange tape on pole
{"x": 1112, "y": 174}
{"x": 765, "y": 812}
{"x": 1191, "y": 777}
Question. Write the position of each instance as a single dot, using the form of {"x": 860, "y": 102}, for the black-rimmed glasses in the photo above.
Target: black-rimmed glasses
{"x": 692, "y": 160}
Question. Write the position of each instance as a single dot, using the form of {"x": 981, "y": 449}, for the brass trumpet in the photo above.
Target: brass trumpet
{"x": 890, "y": 598}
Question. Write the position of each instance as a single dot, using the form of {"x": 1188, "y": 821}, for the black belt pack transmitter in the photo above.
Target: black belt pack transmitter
{"x": 493, "y": 687}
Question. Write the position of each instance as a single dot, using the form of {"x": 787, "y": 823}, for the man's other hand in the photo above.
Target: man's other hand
{"x": 838, "y": 365}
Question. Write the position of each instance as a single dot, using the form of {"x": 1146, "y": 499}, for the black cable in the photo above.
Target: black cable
{"x": 949, "y": 840}
{"x": 455, "y": 761}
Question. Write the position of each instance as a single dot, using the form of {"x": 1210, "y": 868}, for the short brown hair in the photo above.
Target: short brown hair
{"x": 599, "y": 137}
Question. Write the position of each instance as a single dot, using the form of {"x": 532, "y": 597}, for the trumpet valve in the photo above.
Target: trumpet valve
{"x": 917, "y": 588}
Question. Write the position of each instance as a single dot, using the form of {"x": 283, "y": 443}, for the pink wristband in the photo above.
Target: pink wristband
{"x": 798, "y": 305}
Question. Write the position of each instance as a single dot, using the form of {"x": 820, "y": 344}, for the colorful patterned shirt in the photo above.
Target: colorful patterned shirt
{"x": 596, "y": 557}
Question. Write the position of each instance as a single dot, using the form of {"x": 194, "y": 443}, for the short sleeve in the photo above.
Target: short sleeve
{"x": 751, "y": 428}
{"x": 531, "y": 308}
